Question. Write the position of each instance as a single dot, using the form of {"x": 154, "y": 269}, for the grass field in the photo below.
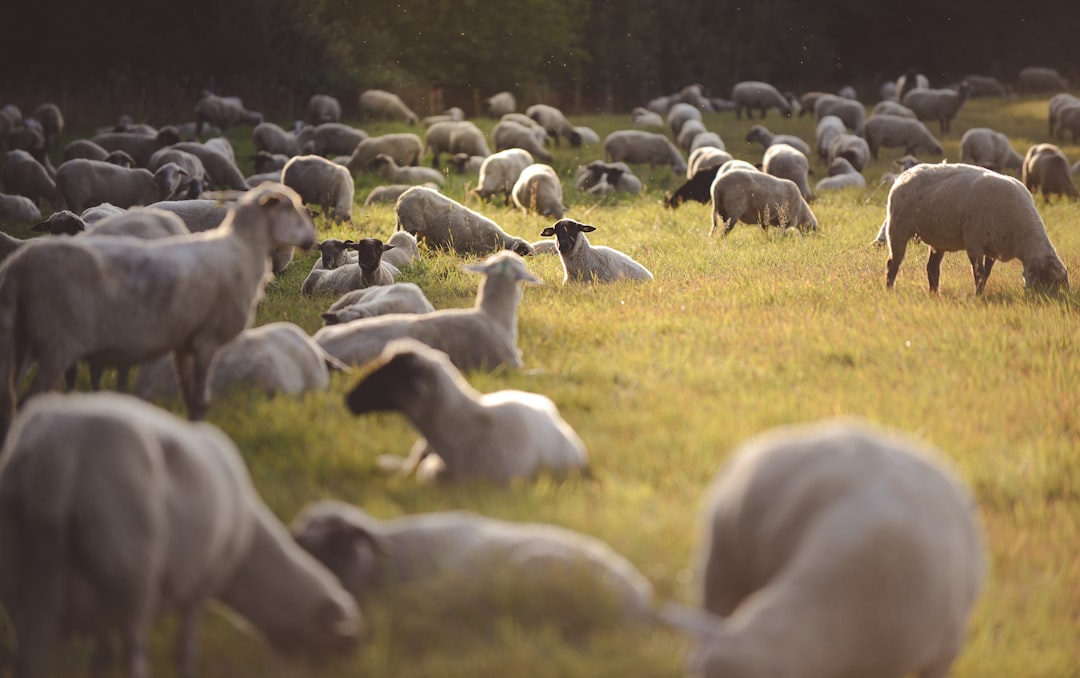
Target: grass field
{"x": 662, "y": 380}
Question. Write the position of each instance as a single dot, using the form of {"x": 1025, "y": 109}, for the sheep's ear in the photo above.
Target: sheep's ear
{"x": 387, "y": 248}
{"x": 271, "y": 198}
{"x": 42, "y": 227}
{"x": 585, "y": 228}
{"x": 548, "y": 232}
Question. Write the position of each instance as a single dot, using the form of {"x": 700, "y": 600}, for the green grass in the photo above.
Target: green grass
{"x": 663, "y": 380}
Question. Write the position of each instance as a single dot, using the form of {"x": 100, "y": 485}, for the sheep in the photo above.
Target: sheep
{"x": 828, "y": 128}
{"x": 909, "y": 81}
{"x": 265, "y": 161}
{"x": 697, "y": 187}
{"x": 763, "y": 136}
{"x": 369, "y": 302}
{"x": 462, "y": 560}
{"x": 266, "y": 136}
{"x": 842, "y": 174}
{"x": 483, "y": 337}
{"x": 833, "y": 549}
{"x": 463, "y": 163}
{"x": 985, "y": 86}
{"x": 150, "y": 515}
{"x": 18, "y": 209}
{"x": 688, "y": 132}
{"x": 588, "y": 135}
{"x": 554, "y": 122}
{"x": 8, "y": 243}
{"x": 758, "y": 198}
{"x": 892, "y": 131}
{"x": 454, "y": 137}
{"x": 404, "y": 148}
{"x": 85, "y": 183}
{"x": 323, "y": 108}
{"x": 223, "y": 113}
{"x": 1076, "y": 168}
{"x": 25, "y": 176}
{"x": 405, "y": 252}
{"x": 887, "y": 90}
{"x": 680, "y": 114}
{"x": 848, "y": 92}
{"x": 1046, "y": 169}
{"x": 223, "y": 172}
{"x": 500, "y": 104}
{"x": 707, "y": 140}
{"x": 499, "y": 436}
{"x": 147, "y": 223}
{"x": 390, "y": 171}
{"x": 705, "y": 158}
{"x": 333, "y": 138}
{"x": 751, "y": 94}
{"x": 937, "y": 104}
{"x": 92, "y": 215}
{"x": 615, "y": 175}
{"x": 28, "y": 136}
{"x": 384, "y": 194}
{"x": 444, "y": 223}
{"x": 511, "y": 135}
{"x": 1034, "y": 79}
{"x": 783, "y": 161}
{"x": 192, "y": 180}
{"x": 139, "y": 146}
{"x": 368, "y": 271}
{"x": 661, "y": 105}
{"x": 890, "y": 107}
{"x": 323, "y": 183}
{"x": 222, "y": 146}
{"x": 634, "y": 146}
{"x": 536, "y": 128}
{"x": 643, "y": 117}
{"x": 188, "y": 295}
{"x": 852, "y": 148}
{"x": 585, "y": 263}
{"x": 52, "y": 122}
{"x": 963, "y": 207}
{"x": 538, "y": 189}
{"x": 377, "y": 104}
{"x": 1055, "y": 106}
{"x": 1068, "y": 119}
{"x": 84, "y": 148}
{"x": 500, "y": 171}
{"x": 984, "y": 147}
{"x": 851, "y": 113}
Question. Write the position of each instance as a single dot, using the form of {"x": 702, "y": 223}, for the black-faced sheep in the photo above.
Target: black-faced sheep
{"x": 586, "y": 263}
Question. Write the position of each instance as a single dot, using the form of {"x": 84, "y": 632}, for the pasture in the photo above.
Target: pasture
{"x": 662, "y": 380}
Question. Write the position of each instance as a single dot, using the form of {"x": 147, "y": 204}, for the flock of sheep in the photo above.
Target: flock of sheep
{"x": 854, "y": 550}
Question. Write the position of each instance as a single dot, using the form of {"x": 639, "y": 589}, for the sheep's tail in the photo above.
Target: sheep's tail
{"x": 9, "y": 313}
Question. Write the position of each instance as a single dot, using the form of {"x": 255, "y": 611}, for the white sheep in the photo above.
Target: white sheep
{"x": 643, "y": 117}
{"x": 188, "y": 295}
{"x": 442, "y": 222}
{"x": 637, "y": 147}
{"x": 452, "y": 114}
{"x": 404, "y": 148}
{"x": 223, "y": 112}
{"x": 390, "y": 171}
{"x": 536, "y": 128}
{"x": 706, "y": 157}
{"x": 463, "y": 560}
{"x": 500, "y": 171}
{"x": 585, "y": 263}
{"x": 680, "y": 114}
{"x": 852, "y": 148}
{"x": 18, "y": 209}
{"x": 1046, "y": 169}
{"x": 891, "y": 131}
{"x": 149, "y": 515}
{"x": 689, "y": 131}
{"x": 85, "y": 183}
{"x": 52, "y": 122}
{"x": 84, "y": 148}
{"x": 390, "y": 193}
{"x": 508, "y": 135}
{"x": 786, "y": 162}
{"x": 193, "y": 179}
{"x": 852, "y": 113}
{"x": 377, "y": 104}
{"x": 333, "y": 138}
{"x": 588, "y": 135}
{"x": 758, "y": 198}
{"x": 333, "y": 272}
{"x": 1040, "y": 79}
{"x": 323, "y": 108}
{"x": 909, "y": 81}
{"x": 962, "y": 207}
{"x": 463, "y": 163}
{"x": 500, "y": 436}
{"x": 223, "y": 172}
{"x": 833, "y": 550}
{"x": 538, "y": 189}
{"x": 375, "y": 301}
{"x": 985, "y": 86}
{"x": 405, "y": 252}
{"x": 147, "y": 223}
{"x": 892, "y": 107}
{"x": 92, "y": 215}
{"x": 842, "y": 174}
{"x": 269, "y": 137}
{"x": 1057, "y": 104}
{"x": 828, "y": 128}
{"x": 984, "y": 147}
{"x": 455, "y": 137}
{"x": 8, "y": 243}
{"x": 482, "y": 337}
{"x": 752, "y": 94}
{"x": 139, "y": 146}
{"x": 937, "y": 104}
{"x": 554, "y": 122}
{"x": 603, "y": 177}
{"x": 323, "y": 183}
{"x": 763, "y": 136}
{"x": 1068, "y": 120}
{"x": 500, "y": 104}
{"x": 23, "y": 175}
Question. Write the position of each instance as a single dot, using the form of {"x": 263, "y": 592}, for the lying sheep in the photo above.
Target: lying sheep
{"x": 272, "y": 138}
{"x": 1046, "y": 169}
{"x": 370, "y": 302}
{"x": 891, "y": 107}
{"x": 614, "y": 175}
{"x": 501, "y": 436}
{"x": 680, "y": 114}
{"x": 937, "y": 104}
{"x": 463, "y": 163}
{"x": 404, "y": 148}
{"x": 752, "y": 94}
{"x": 390, "y": 193}
{"x": 643, "y": 117}
{"x": 462, "y": 560}
{"x": 783, "y": 161}
{"x": 389, "y": 170}
{"x": 18, "y": 209}
{"x": 321, "y": 182}
{"x": 851, "y": 113}
{"x": 500, "y": 171}
{"x": 758, "y": 198}
{"x": 984, "y": 147}
{"x": 890, "y": 131}
{"x": 139, "y": 146}
{"x": 323, "y": 108}
{"x": 223, "y": 172}
{"x": 554, "y": 122}
{"x": 962, "y": 207}
{"x": 852, "y": 148}
{"x": 85, "y": 183}
{"x": 51, "y": 120}
{"x": 149, "y": 515}
{"x": 377, "y": 104}
{"x": 369, "y": 269}
{"x": 637, "y": 147}
{"x": 452, "y": 114}
{"x": 1034, "y": 79}
{"x": 842, "y": 174}
{"x": 863, "y": 532}
{"x": 444, "y": 223}
{"x": 483, "y": 337}
{"x": 193, "y": 179}
{"x": 152, "y": 296}
{"x": 763, "y": 136}
{"x": 25, "y": 176}
{"x": 500, "y": 104}
{"x": 509, "y": 135}
{"x": 332, "y": 139}
{"x": 405, "y": 252}
{"x": 705, "y": 158}
{"x": 147, "y": 223}
{"x": 455, "y": 137}
{"x": 223, "y": 113}
{"x": 583, "y": 262}
{"x": 538, "y": 189}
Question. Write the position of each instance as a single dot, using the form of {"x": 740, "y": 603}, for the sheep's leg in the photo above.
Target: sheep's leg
{"x": 728, "y": 225}
{"x": 896, "y": 257}
{"x": 933, "y": 269}
{"x": 96, "y": 370}
{"x": 71, "y": 375}
{"x": 187, "y": 642}
{"x": 50, "y": 373}
{"x": 980, "y": 269}
{"x": 195, "y": 380}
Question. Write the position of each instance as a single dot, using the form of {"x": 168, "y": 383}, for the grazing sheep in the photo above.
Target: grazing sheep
{"x": 588, "y": 135}
{"x": 554, "y": 122}
{"x": 389, "y": 170}
{"x": 851, "y": 113}
{"x": 985, "y": 86}
{"x": 783, "y": 161}
{"x": 194, "y": 177}
{"x": 643, "y": 117}
{"x": 1076, "y": 168}
{"x": 937, "y": 104}
{"x": 377, "y": 104}
{"x": 18, "y": 209}
{"x": 500, "y": 171}
{"x": 147, "y": 515}
{"x": 842, "y": 174}
{"x": 323, "y": 183}
{"x": 499, "y": 436}
{"x": 223, "y": 172}
{"x": 1057, "y": 104}
{"x": 807, "y": 102}
{"x": 852, "y": 148}
{"x": 680, "y": 114}
{"x": 585, "y": 263}
{"x": 462, "y": 560}
{"x": 536, "y": 128}
{"x": 375, "y": 301}
{"x": 25, "y": 176}
{"x": 697, "y": 187}
{"x": 404, "y": 148}
{"x": 339, "y": 276}
{"x": 500, "y": 104}
{"x": 1046, "y": 169}
{"x": 51, "y": 120}
{"x": 891, "y": 131}
{"x": 763, "y": 136}
{"x": 511, "y": 135}
{"x": 222, "y": 146}
{"x": 963, "y": 207}
{"x": 152, "y": 296}
{"x": 482, "y": 337}
{"x": 891, "y": 107}
{"x": 707, "y": 140}
{"x": 265, "y": 161}
{"x": 1068, "y": 119}
{"x": 758, "y": 198}
{"x": 538, "y": 189}
{"x": 834, "y": 550}
{"x": 84, "y": 148}
{"x": 706, "y": 157}
{"x": 384, "y": 194}
{"x": 269, "y": 137}
{"x": 828, "y": 128}
{"x": 637, "y": 147}
{"x": 614, "y": 175}
{"x": 444, "y": 223}
{"x": 223, "y": 113}
{"x": 751, "y": 94}
{"x": 139, "y": 146}
{"x": 28, "y": 137}
{"x": 661, "y": 105}
{"x": 323, "y": 108}
{"x": 984, "y": 147}
{"x": 1035, "y": 79}
{"x": 332, "y": 139}
{"x": 463, "y": 163}
{"x": 452, "y": 114}
{"x": 85, "y": 183}
{"x": 455, "y": 137}
{"x": 688, "y": 132}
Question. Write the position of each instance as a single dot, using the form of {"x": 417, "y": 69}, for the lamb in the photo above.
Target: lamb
{"x": 51, "y": 120}
{"x": 634, "y": 146}
{"x": 842, "y": 174}
{"x": 405, "y": 252}
{"x": 444, "y": 223}
{"x": 962, "y": 207}
{"x": 149, "y": 515}
{"x": 377, "y": 104}
{"x": 85, "y": 183}
{"x": 139, "y": 146}
{"x": 554, "y": 122}
{"x": 390, "y": 171}
{"x": 271, "y": 138}
{"x": 509, "y": 135}
{"x": 194, "y": 177}
{"x": 1034, "y": 79}
{"x": 151, "y": 296}
{"x": 333, "y": 138}
{"x": 582, "y": 262}
{"x": 25, "y": 176}
{"x": 500, "y": 171}
{"x": 223, "y": 113}
{"x": 852, "y": 148}
{"x": 368, "y": 271}
{"x": 390, "y": 193}
{"x": 483, "y": 337}
{"x": 323, "y": 183}
{"x": 370, "y": 302}
{"x": 850, "y": 112}
{"x": 643, "y": 117}
{"x": 809, "y": 534}
{"x": 891, "y": 107}
{"x": 892, "y": 131}
{"x": 18, "y": 209}
{"x": 937, "y": 104}
{"x": 984, "y": 147}
{"x": 751, "y": 94}
{"x": 464, "y": 561}
{"x": 538, "y": 189}
{"x": 323, "y": 108}
{"x": 1046, "y": 169}
{"x": 758, "y": 198}
{"x": 404, "y": 148}
{"x": 501, "y": 436}
{"x": 463, "y": 163}
{"x": 783, "y": 161}
{"x": 763, "y": 136}
{"x": 223, "y": 172}
{"x": 680, "y": 114}
{"x": 500, "y": 104}
{"x": 455, "y": 137}
{"x": 705, "y": 158}
{"x": 828, "y": 128}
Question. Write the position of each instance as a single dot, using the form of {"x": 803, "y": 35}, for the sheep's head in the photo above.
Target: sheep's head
{"x": 334, "y": 252}
{"x": 280, "y": 208}
{"x": 61, "y": 223}
{"x": 370, "y": 251}
{"x": 168, "y": 178}
{"x": 566, "y": 232}
{"x": 406, "y": 371}
{"x": 345, "y": 540}
{"x": 381, "y": 160}
{"x": 1046, "y": 274}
